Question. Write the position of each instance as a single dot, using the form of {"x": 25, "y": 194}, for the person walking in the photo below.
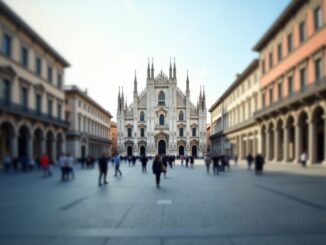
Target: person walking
{"x": 44, "y": 162}
{"x": 144, "y": 161}
{"x": 182, "y": 159}
{"x": 250, "y": 159}
{"x": 207, "y": 162}
{"x": 70, "y": 166}
{"x": 63, "y": 166}
{"x": 192, "y": 161}
{"x": 215, "y": 164}
{"x": 117, "y": 161}
{"x": 259, "y": 163}
{"x": 103, "y": 167}
{"x": 187, "y": 161}
{"x": 157, "y": 168}
{"x": 165, "y": 164}
{"x": 303, "y": 159}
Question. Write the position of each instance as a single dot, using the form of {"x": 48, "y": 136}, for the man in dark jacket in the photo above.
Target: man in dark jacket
{"x": 144, "y": 163}
{"x": 157, "y": 169}
{"x": 103, "y": 167}
{"x": 259, "y": 163}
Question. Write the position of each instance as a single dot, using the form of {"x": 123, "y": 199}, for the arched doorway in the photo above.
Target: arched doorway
{"x": 7, "y": 134}
{"x": 181, "y": 150}
{"x": 142, "y": 151}
{"x": 318, "y": 121}
{"x": 129, "y": 150}
{"x": 49, "y": 145}
{"x": 38, "y": 140}
{"x": 24, "y": 136}
{"x": 303, "y": 134}
{"x": 280, "y": 141}
{"x": 291, "y": 139}
{"x": 161, "y": 147}
{"x": 194, "y": 151}
{"x": 271, "y": 143}
{"x": 263, "y": 140}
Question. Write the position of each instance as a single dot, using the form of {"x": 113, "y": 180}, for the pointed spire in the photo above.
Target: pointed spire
{"x": 204, "y": 97}
{"x": 174, "y": 70}
{"x": 126, "y": 105}
{"x": 119, "y": 100}
{"x": 148, "y": 70}
{"x": 152, "y": 70}
{"x": 187, "y": 81}
{"x": 170, "y": 70}
{"x": 200, "y": 95}
{"x": 135, "y": 84}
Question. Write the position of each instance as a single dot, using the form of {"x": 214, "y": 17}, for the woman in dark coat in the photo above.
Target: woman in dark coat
{"x": 259, "y": 163}
{"x": 157, "y": 169}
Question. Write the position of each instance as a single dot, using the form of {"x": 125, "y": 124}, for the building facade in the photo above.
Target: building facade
{"x": 161, "y": 119}
{"x": 114, "y": 138}
{"x": 31, "y": 91}
{"x": 293, "y": 84}
{"x": 234, "y": 130}
{"x": 90, "y": 125}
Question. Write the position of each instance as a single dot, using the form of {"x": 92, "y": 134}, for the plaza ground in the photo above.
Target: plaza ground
{"x": 287, "y": 205}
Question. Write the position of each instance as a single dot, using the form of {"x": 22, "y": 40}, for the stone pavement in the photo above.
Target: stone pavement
{"x": 287, "y": 205}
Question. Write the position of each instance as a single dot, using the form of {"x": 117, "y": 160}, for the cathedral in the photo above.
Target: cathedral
{"x": 161, "y": 119}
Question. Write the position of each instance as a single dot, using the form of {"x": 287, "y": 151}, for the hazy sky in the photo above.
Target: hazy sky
{"x": 107, "y": 40}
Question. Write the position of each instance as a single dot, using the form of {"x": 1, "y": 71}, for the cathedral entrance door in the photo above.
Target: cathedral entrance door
{"x": 161, "y": 147}
{"x": 142, "y": 151}
{"x": 181, "y": 150}
{"x": 129, "y": 151}
{"x": 194, "y": 151}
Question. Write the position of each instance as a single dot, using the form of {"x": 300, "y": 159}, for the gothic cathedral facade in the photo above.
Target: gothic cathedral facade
{"x": 161, "y": 119}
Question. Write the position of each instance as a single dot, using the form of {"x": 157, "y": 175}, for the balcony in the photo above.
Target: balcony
{"x": 161, "y": 127}
{"x": 23, "y": 111}
{"x": 309, "y": 93}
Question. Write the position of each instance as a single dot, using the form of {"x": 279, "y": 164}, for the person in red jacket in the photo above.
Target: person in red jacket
{"x": 44, "y": 162}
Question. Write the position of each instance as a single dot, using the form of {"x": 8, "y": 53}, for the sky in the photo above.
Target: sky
{"x": 106, "y": 41}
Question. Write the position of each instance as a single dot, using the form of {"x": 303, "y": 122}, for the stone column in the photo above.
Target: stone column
{"x": 54, "y": 151}
{"x": 14, "y": 146}
{"x": 240, "y": 147}
{"x": 286, "y": 143}
{"x": 297, "y": 143}
{"x": 311, "y": 142}
{"x": 248, "y": 145}
{"x": 276, "y": 145}
{"x": 268, "y": 145}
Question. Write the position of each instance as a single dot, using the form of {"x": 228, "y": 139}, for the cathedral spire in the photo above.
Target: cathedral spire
{"x": 200, "y": 94}
{"x": 148, "y": 70}
{"x": 174, "y": 71}
{"x": 119, "y": 100}
{"x": 187, "y": 81}
{"x": 135, "y": 84}
{"x": 152, "y": 70}
{"x": 170, "y": 70}
{"x": 122, "y": 98}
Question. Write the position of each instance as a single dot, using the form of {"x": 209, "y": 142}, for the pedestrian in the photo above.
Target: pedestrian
{"x": 158, "y": 168}
{"x": 303, "y": 159}
{"x": 133, "y": 160}
{"x": 70, "y": 166}
{"x": 144, "y": 161}
{"x": 187, "y": 161}
{"x": 44, "y": 162}
{"x": 7, "y": 163}
{"x": 215, "y": 164}
{"x": 250, "y": 159}
{"x": 103, "y": 168}
{"x": 259, "y": 163}
{"x": 207, "y": 162}
{"x": 236, "y": 159}
{"x": 117, "y": 161}
{"x": 170, "y": 160}
{"x": 227, "y": 161}
{"x": 182, "y": 159}
{"x": 63, "y": 166}
{"x": 192, "y": 161}
{"x": 165, "y": 164}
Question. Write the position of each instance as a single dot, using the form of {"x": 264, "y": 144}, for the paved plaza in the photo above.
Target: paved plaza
{"x": 287, "y": 205}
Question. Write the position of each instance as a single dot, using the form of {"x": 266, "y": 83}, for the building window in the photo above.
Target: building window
{"x": 161, "y": 98}
{"x": 263, "y": 66}
{"x": 50, "y": 74}
{"x": 49, "y": 107}
{"x": 59, "y": 81}
{"x": 24, "y": 56}
{"x": 142, "y": 132}
{"x": 270, "y": 60}
{"x": 79, "y": 123}
{"x": 302, "y": 78}
{"x": 302, "y": 31}
{"x": 24, "y": 97}
{"x": 38, "y": 103}
{"x": 6, "y": 92}
{"x": 317, "y": 18}
{"x": 290, "y": 85}
{"x": 280, "y": 92}
{"x": 290, "y": 43}
{"x": 161, "y": 119}
{"x": 181, "y": 116}
{"x": 129, "y": 132}
{"x": 181, "y": 132}
{"x": 38, "y": 66}
{"x": 279, "y": 52}
{"x": 6, "y": 45}
{"x": 194, "y": 132}
{"x": 142, "y": 116}
{"x": 60, "y": 111}
{"x": 318, "y": 70}
{"x": 270, "y": 95}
